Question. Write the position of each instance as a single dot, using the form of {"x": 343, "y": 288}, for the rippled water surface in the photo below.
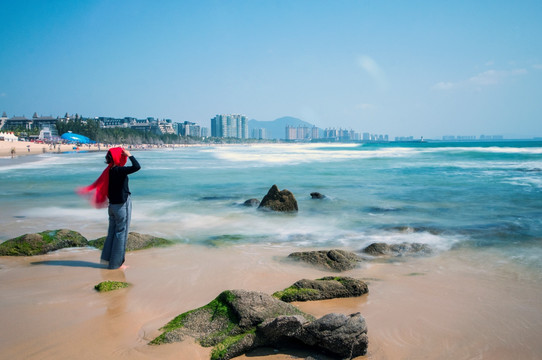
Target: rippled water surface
{"x": 448, "y": 195}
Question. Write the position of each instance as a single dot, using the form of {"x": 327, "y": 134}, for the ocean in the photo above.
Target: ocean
{"x": 484, "y": 196}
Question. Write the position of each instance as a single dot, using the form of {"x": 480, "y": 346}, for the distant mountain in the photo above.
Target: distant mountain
{"x": 276, "y": 129}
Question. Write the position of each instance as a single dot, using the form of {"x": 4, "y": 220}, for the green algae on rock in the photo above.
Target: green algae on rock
{"x": 228, "y": 323}
{"x": 328, "y": 287}
{"x": 42, "y": 243}
{"x": 135, "y": 241}
{"x": 238, "y": 321}
{"x": 333, "y": 260}
{"x": 109, "y": 285}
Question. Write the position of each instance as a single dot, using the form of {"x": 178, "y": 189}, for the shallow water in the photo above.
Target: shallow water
{"x": 447, "y": 195}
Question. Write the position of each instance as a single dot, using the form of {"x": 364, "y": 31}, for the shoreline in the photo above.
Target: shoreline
{"x": 26, "y": 148}
{"x": 447, "y": 306}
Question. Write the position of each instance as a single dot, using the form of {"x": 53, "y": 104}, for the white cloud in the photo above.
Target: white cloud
{"x": 537, "y": 66}
{"x": 3, "y": 94}
{"x": 374, "y": 70}
{"x": 483, "y": 79}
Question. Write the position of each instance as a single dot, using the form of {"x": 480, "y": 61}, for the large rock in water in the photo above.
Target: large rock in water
{"x": 403, "y": 249}
{"x": 328, "y": 287}
{"x": 277, "y": 200}
{"x": 42, "y": 243}
{"x": 135, "y": 241}
{"x": 335, "y": 260}
{"x": 238, "y": 321}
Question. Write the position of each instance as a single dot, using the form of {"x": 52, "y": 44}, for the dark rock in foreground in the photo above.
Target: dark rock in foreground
{"x": 238, "y": 321}
{"x": 42, "y": 243}
{"x": 336, "y": 260}
{"x": 328, "y": 287}
{"x": 277, "y": 200}
{"x": 252, "y": 203}
{"x": 135, "y": 241}
{"x": 317, "y": 195}
{"x": 105, "y": 286}
{"x": 403, "y": 249}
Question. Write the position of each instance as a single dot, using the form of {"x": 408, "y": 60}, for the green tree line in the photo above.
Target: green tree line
{"x": 119, "y": 135}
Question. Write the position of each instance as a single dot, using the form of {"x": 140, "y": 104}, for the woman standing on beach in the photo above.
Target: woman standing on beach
{"x": 113, "y": 185}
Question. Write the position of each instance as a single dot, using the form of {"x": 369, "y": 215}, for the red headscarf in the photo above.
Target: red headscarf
{"x": 99, "y": 189}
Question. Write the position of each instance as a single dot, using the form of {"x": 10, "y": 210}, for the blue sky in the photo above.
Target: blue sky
{"x": 403, "y": 68}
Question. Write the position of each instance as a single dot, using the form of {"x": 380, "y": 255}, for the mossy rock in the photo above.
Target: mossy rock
{"x": 333, "y": 260}
{"x": 109, "y": 285}
{"x": 135, "y": 241}
{"x": 228, "y": 323}
{"x": 42, "y": 243}
{"x": 238, "y": 321}
{"x": 328, "y": 287}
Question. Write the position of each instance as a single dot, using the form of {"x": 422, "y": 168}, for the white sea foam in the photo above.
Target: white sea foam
{"x": 298, "y": 154}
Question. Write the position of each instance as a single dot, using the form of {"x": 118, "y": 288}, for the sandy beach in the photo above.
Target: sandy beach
{"x": 23, "y": 148}
{"x": 450, "y": 306}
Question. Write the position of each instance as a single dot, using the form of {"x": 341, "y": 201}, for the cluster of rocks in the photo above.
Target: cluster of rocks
{"x": 52, "y": 240}
{"x": 279, "y": 200}
{"x": 275, "y": 200}
{"x": 238, "y": 321}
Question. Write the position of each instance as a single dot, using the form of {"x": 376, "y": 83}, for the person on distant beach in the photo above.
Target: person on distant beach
{"x": 12, "y": 152}
{"x": 113, "y": 185}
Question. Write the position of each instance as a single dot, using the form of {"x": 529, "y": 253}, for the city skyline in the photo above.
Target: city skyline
{"x": 400, "y": 68}
{"x": 235, "y": 126}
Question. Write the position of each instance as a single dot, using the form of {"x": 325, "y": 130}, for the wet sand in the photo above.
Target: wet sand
{"x": 458, "y": 305}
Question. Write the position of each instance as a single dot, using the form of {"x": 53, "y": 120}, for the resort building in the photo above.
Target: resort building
{"x": 21, "y": 122}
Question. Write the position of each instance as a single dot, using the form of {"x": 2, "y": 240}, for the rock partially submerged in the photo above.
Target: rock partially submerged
{"x": 110, "y": 285}
{"x": 328, "y": 287}
{"x": 335, "y": 260}
{"x": 252, "y": 203}
{"x": 42, "y": 243}
{"x": 279, "y": 200}
{"x": 317, "y": 195}
{"x": 135, "y": 241}
{"x": 238, "y": 321}
{"x": 403, "y": 249}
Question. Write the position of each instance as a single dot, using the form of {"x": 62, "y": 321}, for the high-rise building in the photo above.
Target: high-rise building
{"x": 259, "y": 133}
{"x": 299, "y": 133}
{"x": 233, "y": 125}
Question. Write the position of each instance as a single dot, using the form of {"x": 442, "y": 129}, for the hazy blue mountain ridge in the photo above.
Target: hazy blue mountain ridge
{"x": 276, "y": 128}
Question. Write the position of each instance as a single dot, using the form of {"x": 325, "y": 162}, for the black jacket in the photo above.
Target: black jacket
{"x": 118, "y": 181}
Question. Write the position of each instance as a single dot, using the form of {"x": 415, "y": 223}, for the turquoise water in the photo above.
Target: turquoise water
{"x": 448, "y": 195}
